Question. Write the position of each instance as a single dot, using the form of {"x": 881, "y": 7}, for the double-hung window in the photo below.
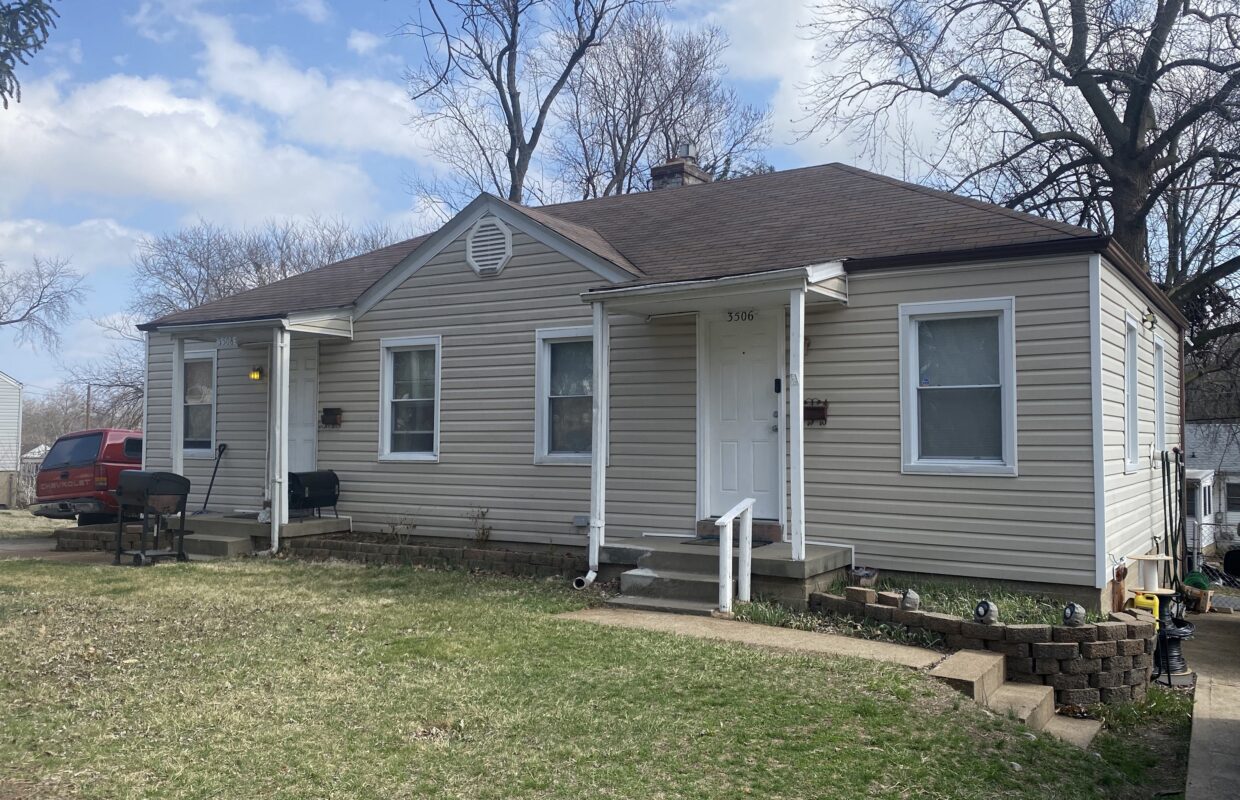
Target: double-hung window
{"x": 564, "y": 385}
{"x": 958, "y": 387}
{"x": 410, "y": 392}
{"x": 198, "y": 405}
{"x": 1131, "y": 388}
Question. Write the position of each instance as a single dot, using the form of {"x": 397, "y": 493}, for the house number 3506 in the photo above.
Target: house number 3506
{"x": 740, "y": 316}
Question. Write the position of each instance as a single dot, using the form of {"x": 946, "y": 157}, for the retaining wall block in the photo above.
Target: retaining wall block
{"x": 958, "y": 641}
{"x": 1062, "y": 681}
{"x": 1077, "y": 666}
{"x": 1013, "y": 650}
{"x": 1139, "y": 691}
{"x": 1034, "y": 679}
{"x": 1107, "y": 680}
{"x": 1117, "y": 662}
{"x": 1140, "y": 630}
{"x": 1111, "y": 631}
{"x": 1020, "y": 666}
{"x": 1129, "y": 647}
{"x": 1142, "y": 661}
{"x": 1046, "y": 666}
{"x": 1116, "y": 694}
{"x": 1055, "y": 650}
{"x": 1098, "y": 649}
{"x": 941, "y": 623}
{"x": 860, "y": 594}
{"x": 878, "y": 611}
{"x": 1078, "y": 697}
{"x": 978, "y": 630}
{"x": 1068, "y": 633}
{"x": 889, "y": 599}
{"x": 1027, "y": 633}
{"x": 914, "y": 619}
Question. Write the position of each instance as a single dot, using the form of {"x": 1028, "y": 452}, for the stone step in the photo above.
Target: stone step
{"x": 1030, "y": 704}
{"x": 647, "y": 582}
{"x": 696, "y": 559}
{"x": 218, "y": 545}
{"x": 666, "y": 604}
{"x": 1080, "y": 732}
{"x": 974, "y": 673}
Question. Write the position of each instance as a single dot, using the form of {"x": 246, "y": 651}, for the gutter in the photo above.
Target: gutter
{"x": 812, "y": 273}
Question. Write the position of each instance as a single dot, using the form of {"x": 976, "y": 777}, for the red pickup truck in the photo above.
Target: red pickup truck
{"x": 79, "y": 474}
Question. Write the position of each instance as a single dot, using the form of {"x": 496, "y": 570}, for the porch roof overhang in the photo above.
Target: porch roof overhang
{"x": 1202, "y": 476}
{"x": 334, "y": 323}
{"x": 826, "y": 282}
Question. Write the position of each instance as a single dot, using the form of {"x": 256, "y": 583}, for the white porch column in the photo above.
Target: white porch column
{"x": 796, "y": 419}
{"x": 177, "y": 434}
{"x": 277, "y": 432}
{"x": 599, "y": 444}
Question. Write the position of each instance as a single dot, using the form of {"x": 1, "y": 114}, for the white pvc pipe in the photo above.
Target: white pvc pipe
{"x": 585, "y": 580}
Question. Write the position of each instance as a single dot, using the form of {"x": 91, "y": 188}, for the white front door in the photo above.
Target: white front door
{"x": 303, "y": 405}
{"x": 743, "y": 411}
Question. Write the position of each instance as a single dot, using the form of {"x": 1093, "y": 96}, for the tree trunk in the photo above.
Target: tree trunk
{"x": 1129, "y": 226}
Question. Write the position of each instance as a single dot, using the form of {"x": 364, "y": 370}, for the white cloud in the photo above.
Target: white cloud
{"x": 363, "y": 42}
{"x": 91, "y": 245}
{"x": 132, "y": 137}
{"x": 316, "y": 11}
{"x": 357, "y": 114}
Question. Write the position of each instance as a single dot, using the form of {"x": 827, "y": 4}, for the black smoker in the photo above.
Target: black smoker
{"x": 311, "y": 492}
{"x": 156, "y": 496}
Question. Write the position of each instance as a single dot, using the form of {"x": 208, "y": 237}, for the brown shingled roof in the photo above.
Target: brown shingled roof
{"x": 764, "y": 222}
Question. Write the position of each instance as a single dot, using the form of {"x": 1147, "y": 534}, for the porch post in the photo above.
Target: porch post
{"x": 599, "y": 444}
{"x": 177, "y": 434}
{"x": 796, "y": 418}
{"x": 277, "y": 432}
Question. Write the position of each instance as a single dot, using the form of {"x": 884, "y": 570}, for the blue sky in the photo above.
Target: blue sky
{"x": 141, "y": 116}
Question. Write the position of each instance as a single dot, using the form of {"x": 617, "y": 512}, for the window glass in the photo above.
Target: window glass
{"x": 199, "y": 400}
{"x": 1190, "y": 504}
{"x": 413, "y": 401}
{"x": 570, "y": 397}
{"x": 959, "y": 393}
{"x": 73, "y": 451}
{"x": 1233, "y": 497}
{"x": 1130, "y": 395}
{"x": 133, "y": 449}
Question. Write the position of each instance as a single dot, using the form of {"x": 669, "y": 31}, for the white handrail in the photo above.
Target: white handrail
{"x": 744, "y": 510}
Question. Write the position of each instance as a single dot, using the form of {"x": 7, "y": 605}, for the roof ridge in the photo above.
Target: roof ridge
{"x": 982, "y": 205}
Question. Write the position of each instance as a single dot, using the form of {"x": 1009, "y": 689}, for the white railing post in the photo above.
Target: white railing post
{"x": 746, "y": 557}
{"x": 725, "y": 567}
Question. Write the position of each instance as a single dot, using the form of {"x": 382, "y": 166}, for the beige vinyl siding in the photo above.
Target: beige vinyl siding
{"x": 1134, "y": 505}
{"x": 1038, "y": 526}
{"x": 486, "y": 460}
{"x": 240, "y": 422}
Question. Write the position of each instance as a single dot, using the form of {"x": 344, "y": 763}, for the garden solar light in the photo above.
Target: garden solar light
{"x": 910, "y": 600}
{"x": 986, "y": 612}
{"x": 1074, "y": 615}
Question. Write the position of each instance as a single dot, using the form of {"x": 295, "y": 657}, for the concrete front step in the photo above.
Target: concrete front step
{"x": 661, "y": 583}
{"x": 667, "y": 604}
{"x": 1080, "y": 732}
{"x": 1030, "y": 704}
{"x": 975, "y": 673}
{"x": 218, "y": 545}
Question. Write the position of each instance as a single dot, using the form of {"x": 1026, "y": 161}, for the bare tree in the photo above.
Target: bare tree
{"x": 24, "y": 28}
{"x": 37, "y": 301}
{"x": 642, "y": 93}
{"x": 1101, "y": 113}
{"x": 493, "y": 71}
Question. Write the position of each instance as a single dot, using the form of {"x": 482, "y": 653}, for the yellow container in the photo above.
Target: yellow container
{"x": 1147, "y": 602}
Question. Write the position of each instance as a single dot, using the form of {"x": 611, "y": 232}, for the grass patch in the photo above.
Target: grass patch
{"x": 264, "y": 679}
{"x": 1149, "y": 740}
{"x": 960, "y": 597}
{"x": 17, "y": 523}
{"x": 765, "y": 613}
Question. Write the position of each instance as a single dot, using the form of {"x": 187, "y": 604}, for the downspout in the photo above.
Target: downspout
{"x": 278, "y": 437}
{"x": 599, "y": 444}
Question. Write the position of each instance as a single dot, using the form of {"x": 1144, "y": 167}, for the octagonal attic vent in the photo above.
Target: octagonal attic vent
{"x": 488, "y": 246}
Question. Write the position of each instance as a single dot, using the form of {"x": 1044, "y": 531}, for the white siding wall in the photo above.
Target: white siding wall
{"x": 486, "y": 461}
{"x": 1134, "y": 504}
{"x": 240, "y": 422}
{"x": 10, "y": 425}
{"x": 1038, "y": 526}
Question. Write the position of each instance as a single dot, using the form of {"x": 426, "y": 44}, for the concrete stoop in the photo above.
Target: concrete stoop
{"x": 980, "y": 676}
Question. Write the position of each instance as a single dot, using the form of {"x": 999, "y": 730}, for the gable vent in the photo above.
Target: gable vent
{"x": 488, "y": 246}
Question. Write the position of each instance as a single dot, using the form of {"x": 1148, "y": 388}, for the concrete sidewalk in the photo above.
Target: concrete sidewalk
{"x": 1214, "y": 752}
{"x": 759, "y": 635}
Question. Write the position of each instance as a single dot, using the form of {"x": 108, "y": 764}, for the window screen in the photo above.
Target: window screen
{"x": 199, "y": 404}
{"x": 413, "y": 401}
{"x": 570, "y": 396}
{"x": 959, "y": 388}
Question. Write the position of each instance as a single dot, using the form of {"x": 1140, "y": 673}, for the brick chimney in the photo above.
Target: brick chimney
{"x": 679, "y": 170}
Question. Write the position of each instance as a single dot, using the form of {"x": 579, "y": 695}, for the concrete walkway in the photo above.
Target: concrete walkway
{"x": 1214, "y": 752}
{"x": 759, "y": 635}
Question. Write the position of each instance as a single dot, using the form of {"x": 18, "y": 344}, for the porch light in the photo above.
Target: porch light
{"x": 1148, "y": 319}
{"x": 256, "y": 373}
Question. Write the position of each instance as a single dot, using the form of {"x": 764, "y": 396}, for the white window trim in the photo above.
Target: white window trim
{"x": 542, "y": 392}
{"x": 911, "y": 462}
{"x": 1160, "y": 394}
{"x": 386, "y": 346}
{"x": 1132, "y": 393}
{"x": 213, "y": 357}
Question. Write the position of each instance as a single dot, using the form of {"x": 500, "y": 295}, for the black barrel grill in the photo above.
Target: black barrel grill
{"x": 310, "y": 492}
{"x": 156, "y": 496}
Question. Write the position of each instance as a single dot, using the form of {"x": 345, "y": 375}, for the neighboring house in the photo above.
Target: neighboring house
{"x": 947, "y": 386}
{"x": 10, "y": 439}
{"x": 1212, "y": 458}
{"x": 27, "y": 480}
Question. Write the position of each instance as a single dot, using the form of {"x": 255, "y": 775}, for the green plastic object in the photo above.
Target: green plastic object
{"x": 1197, "y": 581}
